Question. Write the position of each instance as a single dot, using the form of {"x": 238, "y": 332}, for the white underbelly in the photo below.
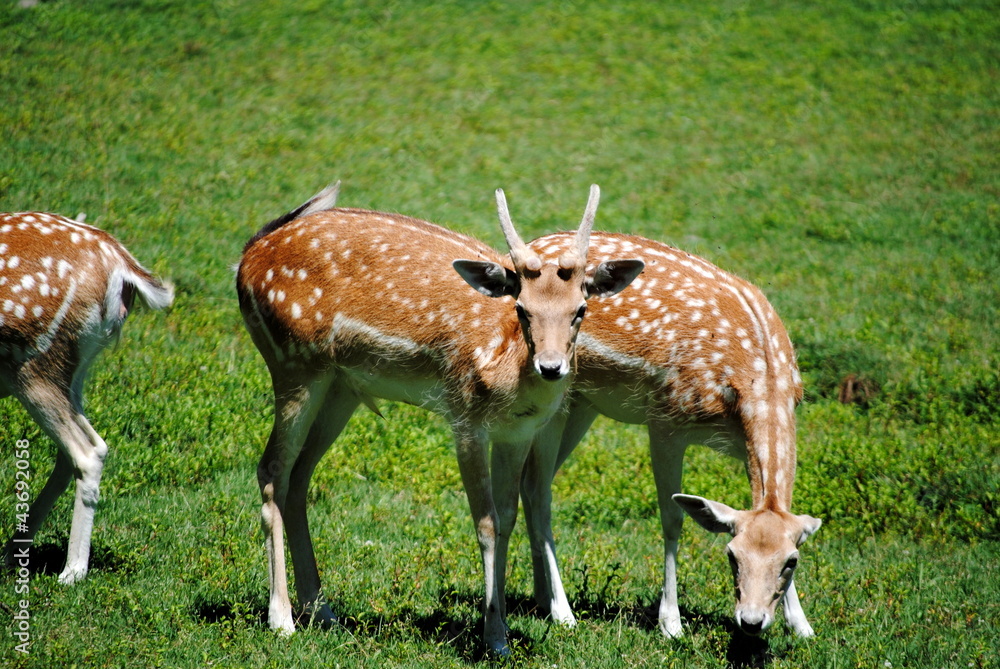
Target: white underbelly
{"x": 425, "y": 393}
{"x": 622, "y": 404}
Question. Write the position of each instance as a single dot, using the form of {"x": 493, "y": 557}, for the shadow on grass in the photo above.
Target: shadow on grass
{"x": 464, "y": 634}
{"x": 743, "y": 652}
{"x": 49, "y": 560}
{"x": 217, "y": 612}
{"x": 440, "y": 628}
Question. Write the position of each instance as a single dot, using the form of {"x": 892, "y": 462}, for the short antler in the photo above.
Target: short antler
{"x": 569, "y": 260}
{"x": 321, "y": 299}
{"x": 523, "y": 257}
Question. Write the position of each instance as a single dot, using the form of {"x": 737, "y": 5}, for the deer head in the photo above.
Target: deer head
{"x": 763, "y": 554}
{"x": 549, "y": 296}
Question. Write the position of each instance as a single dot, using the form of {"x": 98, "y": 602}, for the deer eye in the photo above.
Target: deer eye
{"x": 791, "y": 563}
{"x": 732, "y": 561}
{"x": 522, "y": 315}
{"x": 578, "y": 318}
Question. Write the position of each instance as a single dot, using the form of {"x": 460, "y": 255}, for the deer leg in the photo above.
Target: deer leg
{"x": 82, "y": 453}
{"x": 337, "y": 409}
{"x": 88, "y": 464}
{"x": 58, "y": 481}
{"x": 552, "y": 446}
{"x": 471, "y": 448}
{"x": 795, "y": 617}
{"x": 506, "y": 464}
{"x": 667, "y": 455}
{"x": 295, "y": 408}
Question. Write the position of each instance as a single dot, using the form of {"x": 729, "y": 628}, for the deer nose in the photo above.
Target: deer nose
{"x": 752, "y": 623}
{"x": 551, "y": 366}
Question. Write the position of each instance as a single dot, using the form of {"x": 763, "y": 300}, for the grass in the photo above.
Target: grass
{"x": 843, "y": 156}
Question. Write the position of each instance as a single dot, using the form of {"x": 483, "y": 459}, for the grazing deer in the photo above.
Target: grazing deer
{"x": 65, "y": 290}
{"x": 698, "y": 356}
{"x": 347, "y": 306}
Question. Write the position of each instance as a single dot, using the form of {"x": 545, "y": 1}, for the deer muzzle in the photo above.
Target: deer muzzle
{"x": 551, "y": 365}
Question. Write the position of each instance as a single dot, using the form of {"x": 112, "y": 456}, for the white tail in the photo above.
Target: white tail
{"x": 698, "y": 356}
{"x": 65, "y": 290}
{"x": 347, "y": 306}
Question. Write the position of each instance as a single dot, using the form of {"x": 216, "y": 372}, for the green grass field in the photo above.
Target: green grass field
{"x": 844, "y": 156}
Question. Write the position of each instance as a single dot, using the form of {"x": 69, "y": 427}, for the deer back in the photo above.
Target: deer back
{"x": 65, "y": 287}
{"x": 375, "y": 295}
{"x": 689, "y": 342}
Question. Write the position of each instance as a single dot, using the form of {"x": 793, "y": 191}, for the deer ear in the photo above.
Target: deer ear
{"x": 810, "y": 526}
{"x": 612, "y": 277}
{"x": 713, "y": 516}
{"x": 488, "y": 278}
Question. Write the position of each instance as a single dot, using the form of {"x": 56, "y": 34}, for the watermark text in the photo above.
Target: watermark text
{"x": 21, "y": 556}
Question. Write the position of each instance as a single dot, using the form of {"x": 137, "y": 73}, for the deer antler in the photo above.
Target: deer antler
{"x": 572, "y": 259}
{"x": 523, "y": 257}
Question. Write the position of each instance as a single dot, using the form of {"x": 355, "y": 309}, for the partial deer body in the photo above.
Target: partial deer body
{"x": 698, "y": 356}
{"x": 65, "y": 290}
{"x": 347, "y": 306}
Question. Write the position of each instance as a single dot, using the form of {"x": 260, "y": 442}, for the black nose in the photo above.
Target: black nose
{"x": 752, "y": 628}
{"x": 550, "y": 372}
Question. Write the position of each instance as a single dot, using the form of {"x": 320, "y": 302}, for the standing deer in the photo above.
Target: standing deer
{"x": 698, "y": 356}
{"x": 346, "y": 306}
{"x": 65, "y": 290}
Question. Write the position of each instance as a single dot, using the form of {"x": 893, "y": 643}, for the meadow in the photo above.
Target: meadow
{"x": 844, "y": 156}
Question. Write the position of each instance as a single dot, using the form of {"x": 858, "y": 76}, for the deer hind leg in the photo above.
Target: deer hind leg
{"x": 551, "y": 448}
{"x": 295, "y": 408}
{"x": 338, "y": 406}
{"x": 58, "y": 481}
{"x": 667, "y": 447}
{"x": 81, "y": 456}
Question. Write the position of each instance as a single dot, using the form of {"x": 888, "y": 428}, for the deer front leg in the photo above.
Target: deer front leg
{"x": 551, "y": 447}
{"x": 795, "y": 617}
{"x": 667, "y": 455}
{"x": 471, "y": 448}
{"x": 506, "y": 464}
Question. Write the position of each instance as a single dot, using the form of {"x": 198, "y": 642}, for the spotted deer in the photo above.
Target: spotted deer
{"x": 346, "y": 306}
{"x": 698, "y": 356}
{"x": 65, "y": 290}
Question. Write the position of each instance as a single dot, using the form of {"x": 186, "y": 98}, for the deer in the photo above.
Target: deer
{"x": 698, "y": 356}
{"x": 66, "y": 289}
{"x": 347, "y": 306}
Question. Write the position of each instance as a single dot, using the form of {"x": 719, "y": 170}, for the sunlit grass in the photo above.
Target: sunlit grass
{"x": 843, "y": 157}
